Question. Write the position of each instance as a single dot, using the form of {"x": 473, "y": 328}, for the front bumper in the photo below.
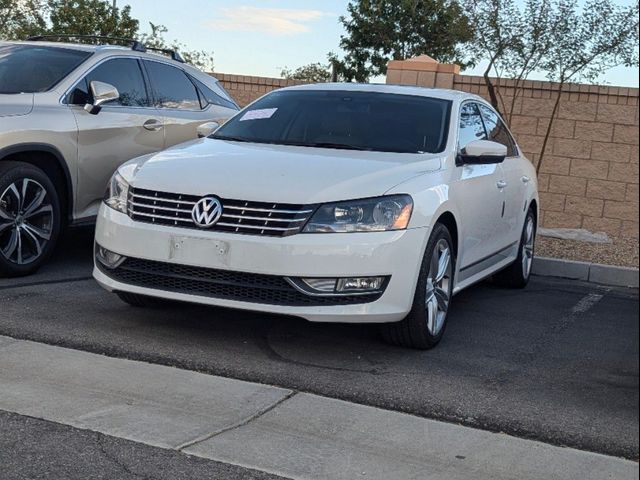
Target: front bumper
{"x": 394, "y": 254}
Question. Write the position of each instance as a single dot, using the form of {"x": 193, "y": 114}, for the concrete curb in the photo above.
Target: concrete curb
{"x": 587, "y": 272}
{"x": 283, "y": 432}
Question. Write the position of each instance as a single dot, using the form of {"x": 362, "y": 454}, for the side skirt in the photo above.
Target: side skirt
{"x": 486, "y": 267}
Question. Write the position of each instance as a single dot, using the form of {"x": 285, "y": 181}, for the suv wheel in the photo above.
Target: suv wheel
{"x": 424, "y": 326}
{"x": 29, "y": 218}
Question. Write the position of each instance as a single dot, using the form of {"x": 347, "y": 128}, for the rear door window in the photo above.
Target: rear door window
{"x": 171, "y": 87}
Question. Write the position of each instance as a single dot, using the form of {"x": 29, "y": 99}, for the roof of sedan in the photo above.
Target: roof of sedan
{"x": 442, "y": 93}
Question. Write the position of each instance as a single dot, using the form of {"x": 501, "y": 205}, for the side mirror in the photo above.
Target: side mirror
{"x": 482, "y": 152}
{"x": 207, "y": 129}
{"x": 102, "y": 93}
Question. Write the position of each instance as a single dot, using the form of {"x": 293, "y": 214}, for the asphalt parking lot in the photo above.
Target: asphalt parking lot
{"x": 557, "y": 362}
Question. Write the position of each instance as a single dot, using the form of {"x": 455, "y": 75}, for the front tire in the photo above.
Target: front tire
{"x": 30, "y": 218}
{"x": 425, "y": 324}
{"x": 517, "y": 274}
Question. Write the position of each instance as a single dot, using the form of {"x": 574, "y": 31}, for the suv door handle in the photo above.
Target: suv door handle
{"x": 152, "y": 125}
{"x": 502, "y": 184}
{"x": 525, "y": 179}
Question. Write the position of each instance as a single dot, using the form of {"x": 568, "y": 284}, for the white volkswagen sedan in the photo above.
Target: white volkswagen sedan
{"x": 335, "y": 203}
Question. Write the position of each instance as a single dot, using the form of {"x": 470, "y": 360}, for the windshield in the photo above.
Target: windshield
{"x": 352, "y": 120}
{"x": 31, "y": 69}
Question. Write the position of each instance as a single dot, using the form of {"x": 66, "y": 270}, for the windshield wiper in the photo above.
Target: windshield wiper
{"x": 343, "y": 146}
{"x": 231, "y": 138}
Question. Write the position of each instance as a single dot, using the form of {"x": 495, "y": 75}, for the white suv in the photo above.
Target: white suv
{"x": 70, "y": 114}
{"x": 336, "y": 203}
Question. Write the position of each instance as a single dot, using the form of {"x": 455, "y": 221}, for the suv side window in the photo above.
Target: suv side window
{"x": 497, "y": 130}
{"x": 123, "y": 73}
{"x": 471, "y": 125}
{"x": 209, "y": 97}
{"x": 171, "y": 87}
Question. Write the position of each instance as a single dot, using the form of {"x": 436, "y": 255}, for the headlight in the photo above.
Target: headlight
{"x": 117, "y": 191}
{"x": 368, "y": 215}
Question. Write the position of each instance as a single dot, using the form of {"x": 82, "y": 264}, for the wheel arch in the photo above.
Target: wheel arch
{"x": 448, "y": 219}
{"x": 533, "y": 204}
{"x": 48, "y": 159}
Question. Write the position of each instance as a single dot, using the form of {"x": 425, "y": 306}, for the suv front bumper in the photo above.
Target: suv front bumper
{"x": 189, "y": 255}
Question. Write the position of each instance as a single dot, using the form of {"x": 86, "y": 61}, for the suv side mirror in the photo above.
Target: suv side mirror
{"x": 102, "y": 93}
{"x": 482, "y": 152}
{"x": 207, "y": 129}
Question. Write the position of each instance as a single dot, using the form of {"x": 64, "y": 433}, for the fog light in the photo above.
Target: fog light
{"x": 108, "y": 258}
{"x": 327, "y": 285}
{"x": 359, "y": 284}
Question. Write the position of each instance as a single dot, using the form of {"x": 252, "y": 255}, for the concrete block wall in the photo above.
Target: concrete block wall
{"x": 245, "y": 89}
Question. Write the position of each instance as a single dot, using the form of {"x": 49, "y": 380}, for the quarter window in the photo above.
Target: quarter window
{"x": 172, "y": 88}
{"x": 209, "y": 97}
{"x": 497, "y": 130}
{"x": 471, "y": 125}
{"x": 124, "y": 74}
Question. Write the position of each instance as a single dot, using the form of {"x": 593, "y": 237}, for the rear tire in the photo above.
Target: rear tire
{"x": 517, "y": 274}
{"x": 142, "y": 301}
{"x": 30, "y": 219}
{"x": 425, "y": 324}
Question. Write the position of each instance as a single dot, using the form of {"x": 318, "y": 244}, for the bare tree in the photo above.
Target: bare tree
{"x": 586, "y": 43}
{"x": 556, "y": 38}
{"x": 514, "y": 42}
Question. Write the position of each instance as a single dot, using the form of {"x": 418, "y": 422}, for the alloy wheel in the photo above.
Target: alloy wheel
{"x": 528, "y": 244}
{"x": 438, "y": 287}
{"x": 26, "y": 221}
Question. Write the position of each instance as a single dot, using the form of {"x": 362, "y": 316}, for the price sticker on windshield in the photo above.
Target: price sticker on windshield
{"x": 259, "y": 114}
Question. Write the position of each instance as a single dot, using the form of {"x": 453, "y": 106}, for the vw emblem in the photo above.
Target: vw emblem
{"x": 206, "y": 212}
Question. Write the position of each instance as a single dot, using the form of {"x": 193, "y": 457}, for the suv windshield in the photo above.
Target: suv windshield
{"x": 352, "y": 120}
{"x": 31, "y": 69}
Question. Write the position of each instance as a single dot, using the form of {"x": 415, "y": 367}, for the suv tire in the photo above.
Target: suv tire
{"x": 424, "y": 326}
{"x": 518, "y": 273}
{"x": 30, "y": 218}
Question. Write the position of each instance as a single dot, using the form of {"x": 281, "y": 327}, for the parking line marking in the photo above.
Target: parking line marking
{"x": 587, "y": 303}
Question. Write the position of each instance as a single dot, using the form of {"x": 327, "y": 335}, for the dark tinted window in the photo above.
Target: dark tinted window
{"x": 343, "y": 119}
{"x": 471, "y": 126}
{"x": 30, "y": 69}
{"x": 497, "y": 131}
{"x": 172, "y": 88}
{"x": 209, "y": 97}
{"x": 124, "y": 74}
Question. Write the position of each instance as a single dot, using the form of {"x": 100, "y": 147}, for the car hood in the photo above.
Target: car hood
{"x": 275, "y": 173}
{"x": 16, "y": 105}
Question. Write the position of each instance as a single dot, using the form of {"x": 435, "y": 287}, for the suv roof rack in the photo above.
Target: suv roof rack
{"x": 135, "y": 45}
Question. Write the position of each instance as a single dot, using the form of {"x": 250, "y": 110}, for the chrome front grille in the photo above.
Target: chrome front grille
{"x": 238, "y": 216}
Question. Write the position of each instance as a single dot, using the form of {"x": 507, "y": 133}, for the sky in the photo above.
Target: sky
{"x": 261, "y": 37}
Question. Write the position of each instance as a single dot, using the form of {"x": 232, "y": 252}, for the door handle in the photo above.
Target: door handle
{"x": 152, "y": 125}
{"x": 525, "y": 179}
{"x": 502, "y": 184}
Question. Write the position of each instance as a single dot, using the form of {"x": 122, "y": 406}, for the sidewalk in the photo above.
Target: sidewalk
{"x": 270, "y": 429}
